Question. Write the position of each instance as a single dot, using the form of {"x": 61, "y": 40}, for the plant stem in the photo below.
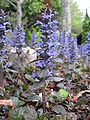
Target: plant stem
{"x": 1, "y": 72}
{"x": 44, "y": 100}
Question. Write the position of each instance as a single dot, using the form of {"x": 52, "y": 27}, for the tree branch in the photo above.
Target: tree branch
{"x": 12, "y": 4}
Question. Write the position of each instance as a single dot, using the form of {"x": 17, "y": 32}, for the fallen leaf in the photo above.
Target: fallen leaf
{"x": 7, "y": 102}
{"x": 80, "y": 94}
{"x": 10, "y": 103}
{"x": 4, "y": 82}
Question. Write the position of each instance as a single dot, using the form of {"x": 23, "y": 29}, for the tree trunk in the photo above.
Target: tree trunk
{"x": 19, "y": 12}
{"x": 66, "y": 15}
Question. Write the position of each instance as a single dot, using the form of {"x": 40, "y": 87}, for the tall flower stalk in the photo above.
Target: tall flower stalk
{"x": 47, "y": 49}
{"x": 19, "y": 40}
{"x": 62, "y": 40}
{"x": 85, "y": 50}
{"x": 2, "y": 33}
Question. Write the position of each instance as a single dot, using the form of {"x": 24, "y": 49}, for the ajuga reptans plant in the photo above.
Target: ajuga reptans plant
{"x": 47, "y": 48}
{"x": 3, "y": 52}
{"x": 85, "y": 49}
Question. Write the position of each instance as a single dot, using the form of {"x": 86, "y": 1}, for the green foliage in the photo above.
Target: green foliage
{"x": 76, "y": 18}
{"x": 31, "y": 10}
{"x": 63, "y": 93}
{"x": 86, "y": 27}
{"x": 56, "y": 4}
{"x": 4, "y": 4}
{"x": 28, "y": 35}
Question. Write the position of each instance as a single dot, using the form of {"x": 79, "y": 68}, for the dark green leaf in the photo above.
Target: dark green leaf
{"x": 28, "y": 77}
{"x": 59, "y": 109}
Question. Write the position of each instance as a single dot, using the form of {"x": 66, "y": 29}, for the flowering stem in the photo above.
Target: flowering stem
{"x": 1, "y": 72}
{"x": 18, "y": 58}
{"x": 43, "y": 96}
{"x": 0, "y": 77}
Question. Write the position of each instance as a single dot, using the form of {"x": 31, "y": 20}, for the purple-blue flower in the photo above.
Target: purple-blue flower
{"x": 34, "y": 75}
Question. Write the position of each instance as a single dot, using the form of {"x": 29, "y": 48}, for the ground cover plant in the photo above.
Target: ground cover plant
{"x": 56, "y": 86}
